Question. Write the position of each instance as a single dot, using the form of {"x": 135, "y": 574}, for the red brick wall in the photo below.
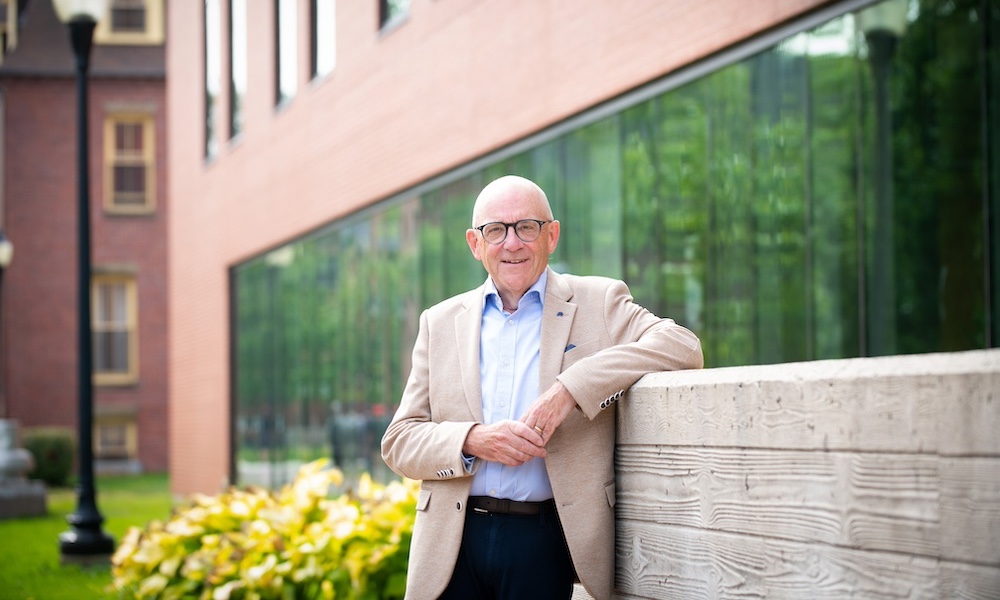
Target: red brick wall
{"x": 40, "y": 298}
{"x": 40, "y": 219}
{"x": 459, "y": 79}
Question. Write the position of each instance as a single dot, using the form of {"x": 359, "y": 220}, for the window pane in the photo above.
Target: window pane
{"x": 130, "y": 185}
{"x": 112, "y": 330}
{"x": 238, "y": 64}
{"x": 112, "y": 440}
{"x": 129, "y": 179}
{"x": 111, "y": 304}
{"x": 324, "y": 34}
{"x": 128, "y": 16}
{"x": 128, "y": 20}
{"x": 924, "y": 186}
{"x": 287, "y": 50}
{"x": 111, "y": 352}
{"x": 128, "y": 139}
{"x": 118, "y": 343}
{"x": 393, "y": 10}
{"x": 129, "y": 172}
{"x": 213, "y": 74}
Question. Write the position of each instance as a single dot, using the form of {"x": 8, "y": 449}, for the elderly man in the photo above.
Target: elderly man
{"x": 508, "y": 414}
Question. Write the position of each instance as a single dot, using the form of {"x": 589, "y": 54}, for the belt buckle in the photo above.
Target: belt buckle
{"x": 486, "y": 508}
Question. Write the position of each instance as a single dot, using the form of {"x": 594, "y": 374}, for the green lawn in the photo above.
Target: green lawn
{"x": 29, "y": 548}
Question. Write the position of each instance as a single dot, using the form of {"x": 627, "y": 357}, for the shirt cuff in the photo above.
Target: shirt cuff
{"x": 469, "y": 461}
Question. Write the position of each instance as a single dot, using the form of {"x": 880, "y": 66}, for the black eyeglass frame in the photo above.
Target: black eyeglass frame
{"x": 506, "y": 230}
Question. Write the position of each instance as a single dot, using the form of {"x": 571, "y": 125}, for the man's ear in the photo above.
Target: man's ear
{"x": 553, "y": 236}
{"x": 473, "y": 240}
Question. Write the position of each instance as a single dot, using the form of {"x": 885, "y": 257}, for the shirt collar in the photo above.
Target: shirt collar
{"x": 538, "y": 288}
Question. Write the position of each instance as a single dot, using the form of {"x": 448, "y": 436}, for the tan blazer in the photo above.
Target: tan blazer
{"x": 598, "y": 343}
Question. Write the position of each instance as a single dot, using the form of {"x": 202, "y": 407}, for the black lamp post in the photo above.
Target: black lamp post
{"x": 883, "y": 24}
{"x": 85, "y": 542}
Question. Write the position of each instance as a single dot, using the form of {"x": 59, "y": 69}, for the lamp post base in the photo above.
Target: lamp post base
{"x": 85, "y": 547}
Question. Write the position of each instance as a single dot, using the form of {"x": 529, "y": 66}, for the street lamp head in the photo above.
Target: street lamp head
{"x": 887, "y": 17}
{"x": 6, "y": 251}
{"x": 70, "y": 10}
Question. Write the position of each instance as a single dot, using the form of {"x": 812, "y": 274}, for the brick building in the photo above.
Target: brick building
{"x": 128, "y": 195}
{"x": 791, "y": 179}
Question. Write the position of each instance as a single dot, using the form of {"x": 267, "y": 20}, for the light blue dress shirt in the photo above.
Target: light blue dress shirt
{"x": 508, "y": 366}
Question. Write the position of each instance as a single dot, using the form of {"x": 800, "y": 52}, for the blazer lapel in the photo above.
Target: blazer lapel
{"x": 557, "y": 321}
{"x": 468, "y": 323}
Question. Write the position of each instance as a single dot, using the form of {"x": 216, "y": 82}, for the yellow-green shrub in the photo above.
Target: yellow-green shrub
{"x": 256, "y": 544}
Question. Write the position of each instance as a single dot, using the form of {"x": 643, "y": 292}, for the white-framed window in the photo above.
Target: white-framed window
{"x": 213, "y": 75}
{"x": 287, "y": 76}
{"x": 238, "y": 66}
{"x": 131, "y": 22}
{"x": 130, "y": 163}
{"x": 115, "y": 328}
{"x": 323, "y": 36}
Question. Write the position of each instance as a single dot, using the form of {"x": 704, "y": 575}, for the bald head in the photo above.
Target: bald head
{"x": 508, "y": 189}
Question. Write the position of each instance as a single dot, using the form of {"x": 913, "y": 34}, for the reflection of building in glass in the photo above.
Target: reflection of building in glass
{"x": 737, "y": 191}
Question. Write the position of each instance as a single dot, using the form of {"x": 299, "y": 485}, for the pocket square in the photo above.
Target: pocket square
{"x": 570, "y": 347}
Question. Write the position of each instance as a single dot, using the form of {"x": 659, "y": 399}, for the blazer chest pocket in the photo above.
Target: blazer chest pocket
{"x": 423, "y": 499}
{"x": 576, "y": 352}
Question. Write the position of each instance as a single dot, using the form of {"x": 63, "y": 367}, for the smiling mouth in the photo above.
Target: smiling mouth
{"x": 515, "y": 262}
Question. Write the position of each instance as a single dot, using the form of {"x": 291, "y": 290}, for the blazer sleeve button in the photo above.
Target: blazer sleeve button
{"x": 458, "y": 505}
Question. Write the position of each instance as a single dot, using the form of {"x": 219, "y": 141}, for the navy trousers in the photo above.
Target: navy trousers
{"x": 512, "y": 557}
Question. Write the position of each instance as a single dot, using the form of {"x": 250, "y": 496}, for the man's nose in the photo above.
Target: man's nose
{"x": 512, "y": 241}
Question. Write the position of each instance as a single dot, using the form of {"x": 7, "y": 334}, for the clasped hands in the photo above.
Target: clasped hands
{"x": 514, "y": 443}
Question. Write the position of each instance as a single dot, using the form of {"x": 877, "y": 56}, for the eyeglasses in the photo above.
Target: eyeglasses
{"x": 527, "y": 230}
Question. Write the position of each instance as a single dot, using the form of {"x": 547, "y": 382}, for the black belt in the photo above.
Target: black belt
{"x": 501, "y": 506}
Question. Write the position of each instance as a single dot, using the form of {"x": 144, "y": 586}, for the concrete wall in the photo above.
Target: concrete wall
{"x": 862, "y": 478}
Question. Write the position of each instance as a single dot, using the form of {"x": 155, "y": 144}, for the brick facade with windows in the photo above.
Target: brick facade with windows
{"x": 38, "y": 204}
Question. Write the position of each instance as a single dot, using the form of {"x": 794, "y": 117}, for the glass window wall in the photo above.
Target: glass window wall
{"x": 827, "y": 197}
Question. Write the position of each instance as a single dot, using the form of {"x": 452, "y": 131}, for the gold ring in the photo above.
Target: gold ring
{"x": 539, "y": 430}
